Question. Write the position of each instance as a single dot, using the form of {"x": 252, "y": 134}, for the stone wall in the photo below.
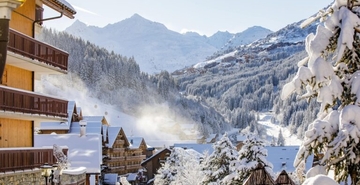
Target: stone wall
{"x": 33, "y": 177}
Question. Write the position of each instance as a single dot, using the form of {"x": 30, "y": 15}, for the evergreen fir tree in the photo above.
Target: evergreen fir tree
{"x": 251, "y": 154}
{"x": 166, "y": 174}
{"x": 281, "y": 139}
{"x": 217, "y": 164}
{"x": 330, "y": 74}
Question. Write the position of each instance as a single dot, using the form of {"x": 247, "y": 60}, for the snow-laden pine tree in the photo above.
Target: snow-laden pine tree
{"x": 281, "y": 139}
{"x": 217, "y": 164}
{"x": 191, "y": 168}
{"x": 181, "y": 168}
{"x": 330, "y": 73}
{"x": 251, "y": 154}
{"x": 166, "y": 174}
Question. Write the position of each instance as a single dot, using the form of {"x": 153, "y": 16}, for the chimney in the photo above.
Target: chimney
{"x": 82, "y": 124}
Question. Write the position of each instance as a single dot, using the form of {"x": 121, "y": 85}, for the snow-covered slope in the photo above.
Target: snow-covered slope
{"x": 155, "y": 47}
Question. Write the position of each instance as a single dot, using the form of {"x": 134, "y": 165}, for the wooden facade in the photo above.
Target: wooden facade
{"x": 153, "y": 163}
{"x": 115, "y": 153}
{"x": 119, "y": 156}
{"x": 259, "y": 177}
{"x": 23, "y": 17}
{"x": 16, "y": 133}
{"x": 18, "y": 78}
{"x": 284, "y": 179}
{"x": 135, "y": 155}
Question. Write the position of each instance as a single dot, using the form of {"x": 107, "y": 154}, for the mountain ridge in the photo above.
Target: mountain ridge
{"x": 154, "y": 47}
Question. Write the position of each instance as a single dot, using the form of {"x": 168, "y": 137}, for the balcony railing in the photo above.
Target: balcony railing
{"x": 133, "y": 166}
{"x": 31, "y": 103}
{"x": 12, "y": 159}
{"x": 137, "y": 157}
{"x": 33, "y": 49}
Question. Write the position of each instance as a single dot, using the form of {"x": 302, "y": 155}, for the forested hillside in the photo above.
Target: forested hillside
{"x": 250, "y": 80}
{"x": 117, "y": 80}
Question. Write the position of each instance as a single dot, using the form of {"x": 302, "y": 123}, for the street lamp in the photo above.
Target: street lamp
{"x": 46, "y": 171}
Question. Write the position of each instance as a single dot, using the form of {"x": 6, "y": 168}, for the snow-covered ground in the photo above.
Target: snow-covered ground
{"x": 273, "y": 129}
{"x": 218, "y": 59}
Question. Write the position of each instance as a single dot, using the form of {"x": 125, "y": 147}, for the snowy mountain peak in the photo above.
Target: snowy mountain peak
{"x": 151, "y": 43}
{"x": 247, "y": 36}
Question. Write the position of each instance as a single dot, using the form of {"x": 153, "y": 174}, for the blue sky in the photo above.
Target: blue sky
{"x": 203, "y": 16}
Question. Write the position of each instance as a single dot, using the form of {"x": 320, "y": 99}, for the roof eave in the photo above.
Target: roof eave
{"x": 60, "y": 7}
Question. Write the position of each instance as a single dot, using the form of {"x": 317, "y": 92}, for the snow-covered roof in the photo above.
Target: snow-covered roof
{"x": 85, "y": 151}
{"x": 61, "y": 6}
{"x": 95, "y": 119}
{"x": 60, "y": 125}
{"x": 282, "y": 158}
{"x": 71, "y": 108}
{"x": 112, "y": 133}
{"x": 201, "y": 148}
{"x": 74, "y": 170}
{"x": 154, "y": 155}
{"x": 78, "y": 110}
{"x": 135, "y": 142}
{"x": 131, "y": 177}
{"x": 54, "y": 125}
{"x": 104, "y": 128}
{"x": 211, "y": 137}
{"x": 91, "y": 127}
{"x": 110, "y": 178}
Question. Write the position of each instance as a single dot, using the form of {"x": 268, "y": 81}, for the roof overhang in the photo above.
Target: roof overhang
{"x": 61, "y": 6}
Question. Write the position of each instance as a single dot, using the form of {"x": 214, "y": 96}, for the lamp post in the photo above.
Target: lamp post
{"x": 46, "y": 172}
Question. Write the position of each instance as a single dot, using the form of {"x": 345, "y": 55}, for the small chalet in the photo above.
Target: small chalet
{"x": 284, "y": 179}
{"x": 153, "y": 163}
{"x": 259, "y": 177}
{"x": 114, "y": 151}
{"x": 122, "y": 155}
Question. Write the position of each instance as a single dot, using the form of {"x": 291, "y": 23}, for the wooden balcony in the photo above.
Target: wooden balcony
{"x": 133, "y": 167}
{"x": 136, "y": 158}
{"x": 13, "y": 159}
{"x": 115, "y": 159}
{"x": 26, "y": 103}
{"x": 120, "y": 142}
{"x": 35, "y": 50}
